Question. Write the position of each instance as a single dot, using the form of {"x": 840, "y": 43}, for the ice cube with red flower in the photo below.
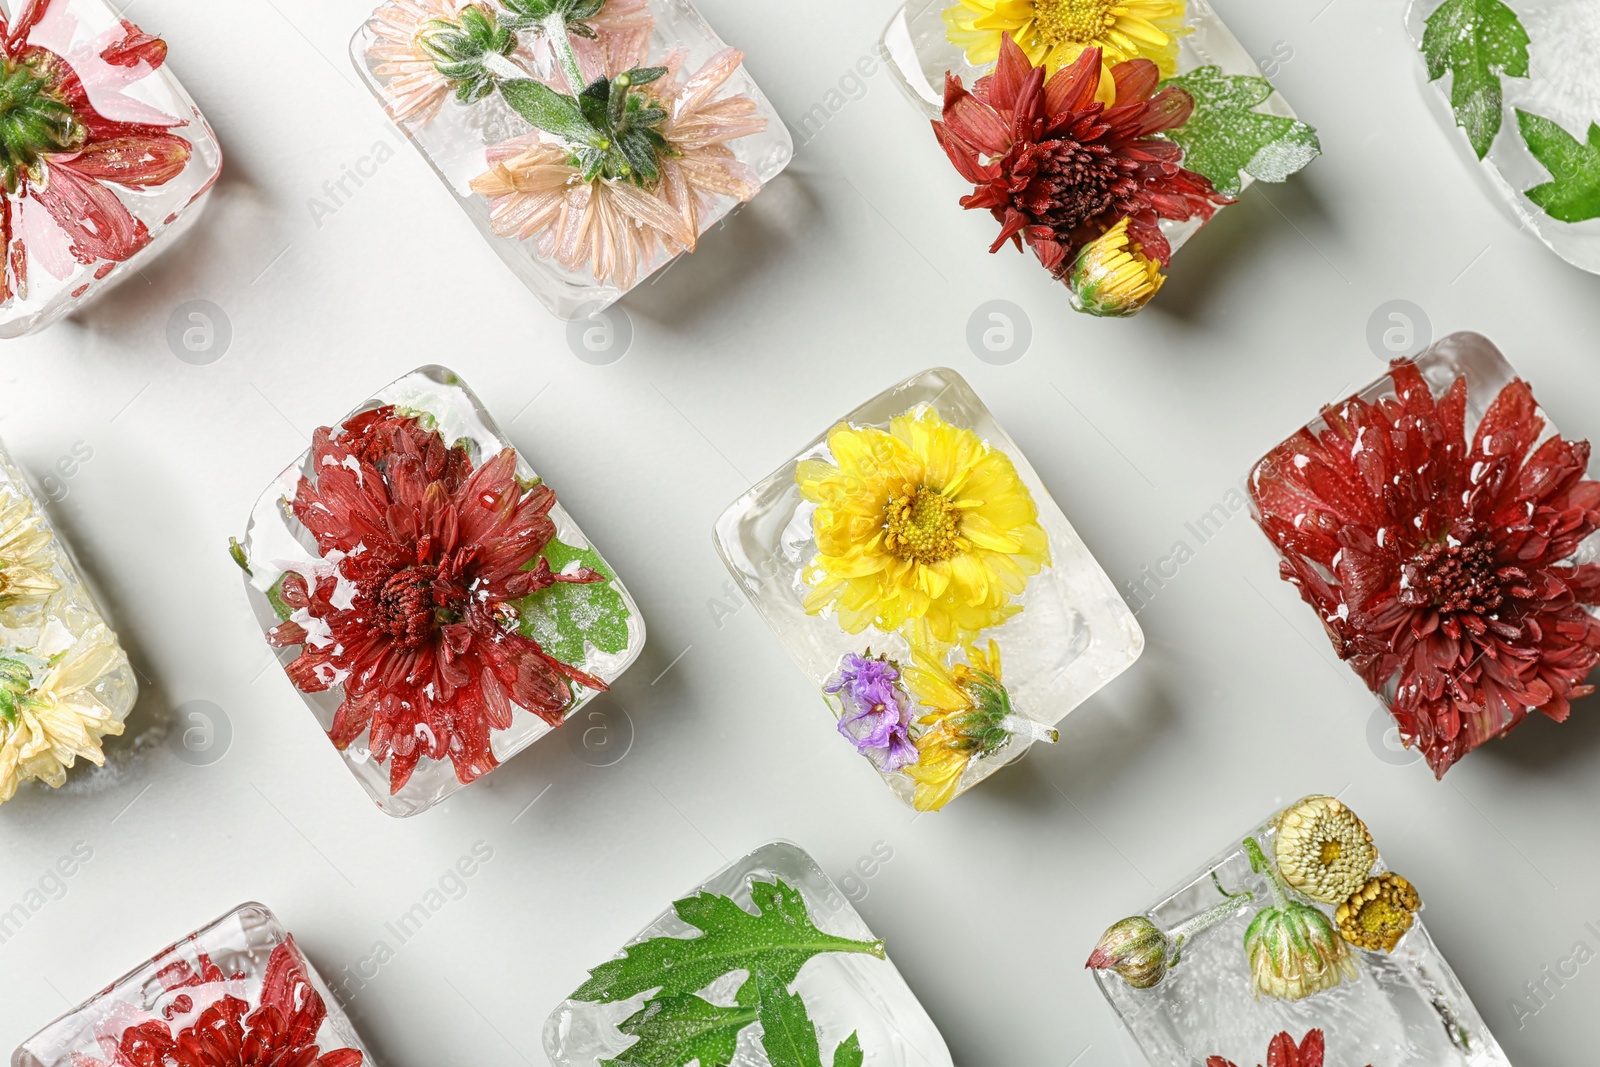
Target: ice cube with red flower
{"x": 430, "y": 600}
{"x": 1100, "y": 134}
{"x": 238, "y": 991}
{"x": 1443, "y": 531}
{"x": 104, "y": 158}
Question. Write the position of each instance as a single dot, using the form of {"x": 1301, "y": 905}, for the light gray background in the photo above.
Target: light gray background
{"x": 851, "y": 271}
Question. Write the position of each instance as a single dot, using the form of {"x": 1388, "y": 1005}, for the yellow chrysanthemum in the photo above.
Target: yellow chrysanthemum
{"x": 25, "y": 560}
{"x": 44, "y": 729}
{"x": 944, "y": 751}
{"x": 1112, "y": 277}
{"x": 923, "y": 527}
{"x": 971, "y": 718}
{"x": 1054, "y": 32}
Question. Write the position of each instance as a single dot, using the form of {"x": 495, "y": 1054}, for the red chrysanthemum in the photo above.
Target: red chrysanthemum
{"x": 1284, "y": 1053}
{"x": 1441, "y": 569}
{"x": 58, "y": 152}
{"x": 1058, "y": 168}
{"x": 280, "y": 1032}
{"x": 416, "y": 616}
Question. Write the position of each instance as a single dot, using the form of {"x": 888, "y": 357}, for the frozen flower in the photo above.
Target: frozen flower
{"x": 280, "y": 1030}
{"x": 1377, "y": 915}
{"x": 877, "y": 711}
{"x": 1323, "y": 849}
{"x": 405, "y": 60}
{"x": 417, "y": 617}
{"x": 1142, "y": 953}
{"x": 923, "y": 526}
{"x": 613, "y": 38}
{"x": 972, "y": 718}
{"x": 50, "y": 713}
{"x": 1053, "y": 33}
{"x": 1111, "y": 279}
{"x": 1442, "y": 568}
{"x": 617, "y": 222}
{"x": 1058, "y": 167}
{"x": 60, "y": 154}
{"x": 26, "y": 562}
{"x": 1136, "y": 949}
{"x": 1284, "y": 1053}
{"x": 1294, "y": 949}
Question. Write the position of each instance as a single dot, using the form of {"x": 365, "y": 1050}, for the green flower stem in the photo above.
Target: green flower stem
{"x": 1261, "y": 865}
{"x": 501, "y": 67}
{"x": 1189, "y": 927}
{"x": 556, "y": 27}
{"x": 1020, "y": 725}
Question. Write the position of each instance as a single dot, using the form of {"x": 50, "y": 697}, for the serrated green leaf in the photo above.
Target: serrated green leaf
{"x": 787, "y": 1033}
{"x": 1476, "y": 42}
{"x": 675, "y": 1031}
{"x": 1226, "y": 136}
{"x": 1574, "y": 194}
{"x": 849, "y": 1053}
{"x": 550, "y": 111}
{"x": 779, "y": 940}
{"x": 565, "y": 616}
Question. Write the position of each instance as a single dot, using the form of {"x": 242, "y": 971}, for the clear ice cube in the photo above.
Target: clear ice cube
{"x": 80, "y": 31}
{"x": 455, "y": 142}
{"x": 919, "y": 53}
{"x": 1563, "y": 85}
{"x": 275, "y": 543}
{"x": 1073, "y": 635}
{"x": 68, "y": 624}
{"x": 1407, "y": 1009}
{"x": 844, "y": 993}
{"x": 177, "y": 996}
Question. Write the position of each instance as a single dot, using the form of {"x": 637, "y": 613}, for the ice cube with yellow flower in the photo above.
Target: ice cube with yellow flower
{"x": 900, "y": 557}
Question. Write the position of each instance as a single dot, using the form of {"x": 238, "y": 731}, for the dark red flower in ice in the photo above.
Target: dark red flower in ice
{"x": 280, "y": 1032}
{"x": 59, "y": 154}
{"x": 415, "y": 614}
{"x": 1283, "y": 1052}
{"x": 1058, "y": 168}
{"x": 1441, "y": 569}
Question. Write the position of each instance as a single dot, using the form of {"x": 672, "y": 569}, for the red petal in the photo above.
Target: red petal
{"x": 137, "y": 161}
{"x": 135, "y": 47}
{"x": 97, "y": 223}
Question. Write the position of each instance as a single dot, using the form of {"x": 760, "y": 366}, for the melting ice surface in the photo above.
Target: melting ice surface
{"x": 844, "y": 993}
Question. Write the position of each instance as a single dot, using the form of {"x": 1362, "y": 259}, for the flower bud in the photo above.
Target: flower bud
{"x": 1110, "y": 278}
{"x": 1136, "y": 949}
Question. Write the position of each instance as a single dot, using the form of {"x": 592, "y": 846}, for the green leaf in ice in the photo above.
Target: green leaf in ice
{"x": 778, "y": 939}
{"x": 1226, "y": 135}
{"x": 1574, "y": 193}
{"x": 551, "y": 111}
{"x": 788, "y": 1035}
{"x": 1476, "y": 42}
{"x": 675, "y": 1031}
{"x": 566, "y": 615}
{"x": 275, "y": 598}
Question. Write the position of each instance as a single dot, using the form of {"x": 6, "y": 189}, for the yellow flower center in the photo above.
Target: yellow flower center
{"x": 1073, "y": 21}
{"x": 1330, "y": 853}
{"x": 923, "y": 526}
{"x": 1383, "y": 919}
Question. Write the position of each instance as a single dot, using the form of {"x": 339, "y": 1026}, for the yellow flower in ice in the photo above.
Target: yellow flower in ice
{"x": 25, "y": 559}
{"x": 923, "y": 527}
{"x": 1111, "y": 279}
{"x": 971, "y": 718}
{"x": 1054, "y": 32}
{"x": 1378, "y": 914}
{"x": 45, "y": 728}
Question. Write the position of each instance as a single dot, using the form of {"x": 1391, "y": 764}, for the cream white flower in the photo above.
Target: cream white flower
{"x": 45, "y": 728}
{"x": 26, "y": 561}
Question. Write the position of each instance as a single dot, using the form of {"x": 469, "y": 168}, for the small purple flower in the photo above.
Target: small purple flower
{"x": 876, "y": 715}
